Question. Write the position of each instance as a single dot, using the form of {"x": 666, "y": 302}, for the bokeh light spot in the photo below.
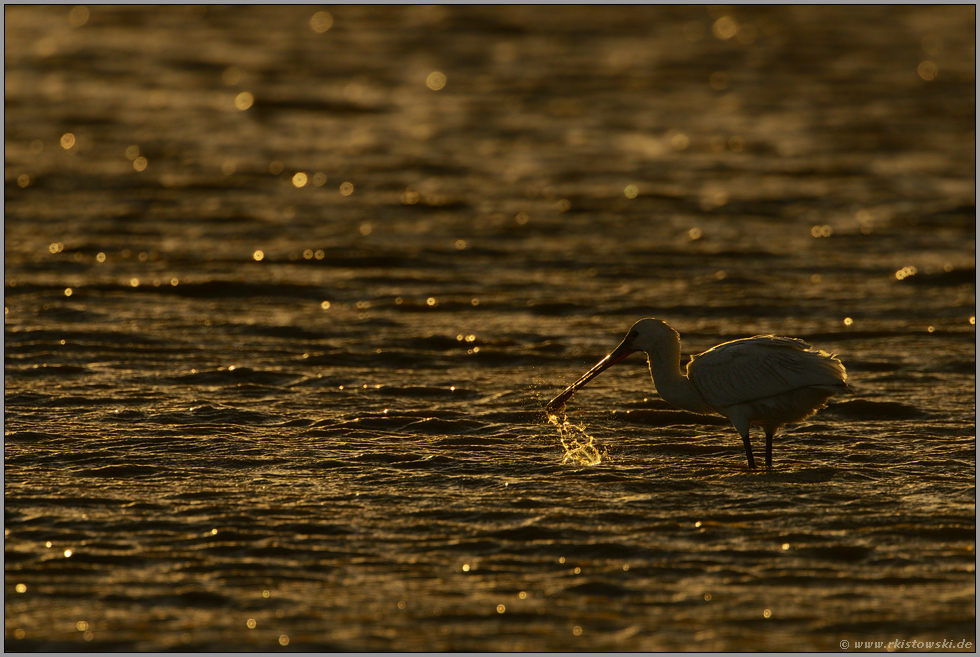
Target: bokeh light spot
{"x": 321, "y": 21}
{"x": 258, "y": 255}
{"x": 436, "y": 80}
{"x": 78, "y": 16}
{"x": 23, "y": 180}
{"x": 299, "y": 179}
{"x": 928, "y": 70}
{"x": 680, "y": 141}
{"x": 725, "y": 28}
{"x": 631, "y": 191}
{"x": 346, "y": 188}
{"x": 140, "y": 163}
{"x": 244, "y": 100}
{"x": 231, "y": 76}
{"x": 906, "y": 272}
{"x": 718, "y": 81}
{"x": 67, "y": 141}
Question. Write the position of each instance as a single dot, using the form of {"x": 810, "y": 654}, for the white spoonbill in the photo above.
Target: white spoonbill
{"x": 766, "y": 380}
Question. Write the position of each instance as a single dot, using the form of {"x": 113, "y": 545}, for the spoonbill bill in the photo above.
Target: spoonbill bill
{"x": 765, "y": 381}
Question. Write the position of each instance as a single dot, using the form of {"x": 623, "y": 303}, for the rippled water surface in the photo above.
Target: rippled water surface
{"x": 247, "y": 408}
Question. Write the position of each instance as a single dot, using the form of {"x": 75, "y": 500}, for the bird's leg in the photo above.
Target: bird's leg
{"x": 748, "y": 448}
{"x": 769, "y": 448}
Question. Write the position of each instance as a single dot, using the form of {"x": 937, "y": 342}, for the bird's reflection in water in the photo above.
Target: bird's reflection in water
{"x": 580, "y": 448}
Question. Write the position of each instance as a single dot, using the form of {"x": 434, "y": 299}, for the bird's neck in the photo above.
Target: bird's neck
{"x": 673, "y": 385}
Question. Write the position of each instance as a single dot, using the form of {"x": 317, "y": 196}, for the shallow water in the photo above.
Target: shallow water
{"x": 245, "y": 413}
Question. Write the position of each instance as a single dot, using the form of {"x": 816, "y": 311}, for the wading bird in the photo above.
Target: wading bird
{"x": 764, "y": 381}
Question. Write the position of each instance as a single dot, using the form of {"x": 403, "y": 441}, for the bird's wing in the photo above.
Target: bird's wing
{"x": 747, "y": 370}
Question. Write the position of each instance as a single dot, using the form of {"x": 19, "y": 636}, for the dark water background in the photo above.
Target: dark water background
{"x": 338, "y": 443}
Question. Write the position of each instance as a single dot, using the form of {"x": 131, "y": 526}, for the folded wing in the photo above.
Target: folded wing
{"x": 752, "y": 369}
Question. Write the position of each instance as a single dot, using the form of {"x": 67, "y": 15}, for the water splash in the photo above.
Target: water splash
{"x": 580, "y": 447}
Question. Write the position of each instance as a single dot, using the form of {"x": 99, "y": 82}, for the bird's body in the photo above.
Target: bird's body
{"x": 766, "y": 381}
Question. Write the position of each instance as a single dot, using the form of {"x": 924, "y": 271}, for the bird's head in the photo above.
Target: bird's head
{"x": 645, "y": 335}
{"x": 649, "y": 335}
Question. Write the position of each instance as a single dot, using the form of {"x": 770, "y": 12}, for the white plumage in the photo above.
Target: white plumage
{"x": 766, "y": 381}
